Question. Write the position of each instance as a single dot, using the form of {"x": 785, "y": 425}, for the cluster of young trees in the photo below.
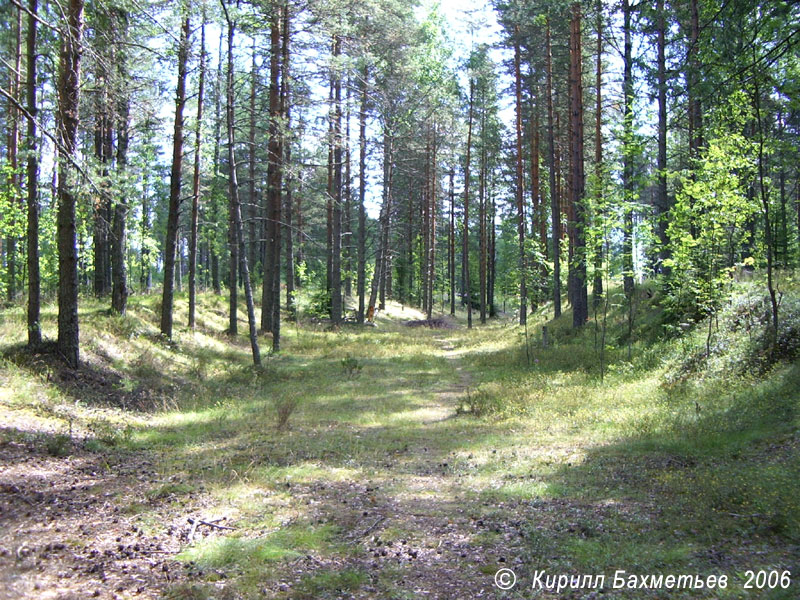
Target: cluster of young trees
{"x": 292, "y": 121}
{"x": 693, "y": 137}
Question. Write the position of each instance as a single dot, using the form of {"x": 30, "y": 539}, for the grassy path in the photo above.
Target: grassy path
{"x": 161, "y": 470}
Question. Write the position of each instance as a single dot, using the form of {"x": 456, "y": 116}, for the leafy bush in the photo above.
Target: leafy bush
{"x": 110, "y": 434}
{"x": 741, "y": 340}
{"x": 59, "y": 445}
{"x": 351, "y": 366}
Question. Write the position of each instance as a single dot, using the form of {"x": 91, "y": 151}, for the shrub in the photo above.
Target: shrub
{"x": 351, "y": 366}
{"x": 59, "y": 445}
{"x": 284, "y": 407}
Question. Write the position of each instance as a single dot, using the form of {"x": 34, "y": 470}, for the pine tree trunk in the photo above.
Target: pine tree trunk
{"x": 329, "y": 204}
{"x": 175, "y": 185}
{"x": 252, "y": 244}
{"x": 235, "y": 204}
{"x": 483, "y": 250}
{"x": 425, "y": 220}
{"x": 119, "y": 226}
{"x": 13, "y": 148}
{"x": 287, "y": 153}
{"x": 431, "y": 275}
{"x": 539, "y": 222}
{"x": 336, "y": 231}
{"x": 103, "y": 135}
{"x": 383, "y": 236}
{"x": 282, "y": 18}
{"x": 119, "y": 230}
{"x": 627, "y": 159}
{"x": 580, "y": 306}
{"x": 662, "y": 201}
{"x": 492, "y": 277}
{"x": 597, "y": 284}
{"x": 465, "y": 251}
{"x": 145, "y": 276}
{"x": 215, "y": 258}
{"x": 347, "y": 226}
{"x": 362, "y": 190}
{"x": 520, "y": 189}
{"x": 68, "y": 102}
{"x": 555, "y": 209}
{"x": 270, "y": 295}
{"x": 34, "y": 295}
{"x": 451, "y": 245}
{"x": 196, "y": 176}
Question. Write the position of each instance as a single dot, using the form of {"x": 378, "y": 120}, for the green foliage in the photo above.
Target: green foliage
{"x": 59, "y": 445}
{"x": 742, "y": 342}
{"x": 711, "y": 215}
{"x": 351, "y": 367}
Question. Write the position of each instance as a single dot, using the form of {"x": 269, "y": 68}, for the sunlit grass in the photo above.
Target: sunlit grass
{"x": 630, "y": 467}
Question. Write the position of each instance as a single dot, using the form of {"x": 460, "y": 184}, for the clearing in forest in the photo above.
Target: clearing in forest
{"x": 387, "y": 462}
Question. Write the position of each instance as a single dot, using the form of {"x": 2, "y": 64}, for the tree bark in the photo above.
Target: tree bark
{"x": 281, "y": 17}
{"x": 347, "y": 224}
{"x": 13, "y": 149}
{"x": 68, "y": 102}
{"x": 196, "y": 176}
{"x": 362, "y": 190}
{"x": 431, "y": 275}
{"x": 520, "y": 190}
{"x": 119, "y": 230}
{"x": 627, "y": 159}
{"x": 235, "y": 204}
{"x": 287, "y": 154}
{"x": 465, "y": 257}
{"x": 252, "y": 244}
{"x": 555, "y": 210}
{"x": 270, "y": 294}
{"x": 597, "y": 284}
{"x": 175, "y": 184}
{"x": 34, "y": 295}
{"x": 483, "y": 249}
{"x": 383, "y": 236}
{"x": 580, "y": 306}
{"x": 662, "y": 200}
{"x": 336, "y": 231}
{"x": 451, "y": 252}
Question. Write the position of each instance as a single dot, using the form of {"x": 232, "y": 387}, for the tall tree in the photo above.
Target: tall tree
{"x": 336, "y": 230}
{"x": 13, "y": 145}
{"x": 119, "y": 225}
{"x": 451, "y": 252}
{"x": 34, "y": 300}
{"x": 555, "y": 208}
{"x": 597, "y": 284}
{"x": 198, "y": 133}
{"x": 362, "y": 190}
{"x": 233, "y": 186}
{"x": 580, "y": 305}
{"x": 270, "y": 293}
{"x": 175, "y": 182}
{"x": 520, "y": 187}
{"x": 662, "y": 199}
{"x": 465, "y": 251}
{"x": 68, "y": 117}
{"x": 627, "y": 152}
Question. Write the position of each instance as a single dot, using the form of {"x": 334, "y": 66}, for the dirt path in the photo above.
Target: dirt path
{"x": 69, "y": 524}
{"x": 64, "y": 529}
{"x": 415, "y": 526}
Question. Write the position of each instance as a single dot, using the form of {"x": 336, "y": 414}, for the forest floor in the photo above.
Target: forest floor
{"x": 389, "y": 462}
